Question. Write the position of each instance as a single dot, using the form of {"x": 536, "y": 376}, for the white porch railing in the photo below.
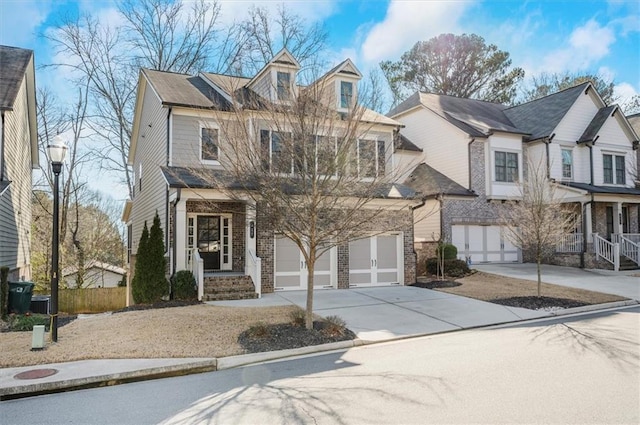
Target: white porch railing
{"x": 607, "y": 250}
{"x": 633, "y": 237}
{"x": 570, "y": 243}
{"x": 630, "y": 249}
{"x": 254, "y": 269}
{"x": 196, "y": 265}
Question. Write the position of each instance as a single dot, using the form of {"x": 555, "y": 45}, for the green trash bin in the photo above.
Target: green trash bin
{"x": 20, "y": 296}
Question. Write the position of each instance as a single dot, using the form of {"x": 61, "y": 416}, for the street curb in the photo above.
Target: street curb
{"x": 593, "y": 307}
{"x": 30, "y": 390}
{"x": 245, "y": 359}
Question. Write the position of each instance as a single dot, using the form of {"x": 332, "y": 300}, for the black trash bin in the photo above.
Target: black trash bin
{"x": 20, "y": 296}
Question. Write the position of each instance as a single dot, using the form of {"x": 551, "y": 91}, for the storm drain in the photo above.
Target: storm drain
{"x": 35, "y": 374}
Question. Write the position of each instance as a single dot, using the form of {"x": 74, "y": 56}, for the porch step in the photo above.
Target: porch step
{"x": 223, "y": 288}
{"x": 627, "y": 264}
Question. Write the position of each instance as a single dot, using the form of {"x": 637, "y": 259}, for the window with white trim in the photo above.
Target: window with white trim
{"x": 346, "y": 94}
{"x": 283, "y": 85}
{"x": 506, "y": 166}
{"x": 567, "y": 163}
{"x": 614, "y": 169}
{"x": 209, "y": 139}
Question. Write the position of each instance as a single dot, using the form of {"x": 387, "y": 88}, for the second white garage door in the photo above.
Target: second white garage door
{"x": 376, "y": 260}
{"x": 484, "y": 244}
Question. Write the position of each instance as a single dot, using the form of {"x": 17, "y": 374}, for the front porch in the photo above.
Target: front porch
{"x": 214, "y": 237}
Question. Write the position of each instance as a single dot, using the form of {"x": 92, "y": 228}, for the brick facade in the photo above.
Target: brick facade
{"x": 238, "y": 225}
{"x": 392, "y": 221}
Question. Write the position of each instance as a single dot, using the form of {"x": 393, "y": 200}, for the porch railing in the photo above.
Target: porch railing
{"x": 196, "y": 265}
{"x": 254, "y": 269}
{"x": 607, "y": 250}
{"x": 630, "y": 249}
{"x": 570, "y": 243}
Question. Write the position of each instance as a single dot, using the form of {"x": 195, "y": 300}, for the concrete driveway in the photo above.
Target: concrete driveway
{"x": 389, "y": 312}
{"x": 622, "y": 283}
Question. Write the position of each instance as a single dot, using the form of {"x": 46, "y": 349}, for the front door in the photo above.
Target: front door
{"x": 208, "y": 231}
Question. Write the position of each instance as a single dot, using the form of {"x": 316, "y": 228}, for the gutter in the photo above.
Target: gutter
{"x": 547, "y": 141}
{"x": 166, "y": 202}
{"x": 2, "y": 148}
{"x": 473, "y": 139}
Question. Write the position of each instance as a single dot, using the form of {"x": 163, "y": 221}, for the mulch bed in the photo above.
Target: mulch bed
{"x": 434, "y": 284}
{"x": 537, "y": 303}
{"x": 285, "y": 335}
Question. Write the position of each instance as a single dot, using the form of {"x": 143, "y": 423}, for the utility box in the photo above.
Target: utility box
{"x": 37, "y": 338}
{"x": 40, "y": 304}
{"x": 20, "y": 296}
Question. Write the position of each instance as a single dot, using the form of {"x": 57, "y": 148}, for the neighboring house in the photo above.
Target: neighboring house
{"x": 634, "y": 120}
{"x": 474, "y": 152}
{"x": 175, "y": 137}
{"x": 96, "y": 275}
{"x": 18, "y": 156}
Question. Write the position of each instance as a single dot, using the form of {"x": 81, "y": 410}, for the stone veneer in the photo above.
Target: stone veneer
{"x": 238, "y": 225}
{"x": 388, "y": 221}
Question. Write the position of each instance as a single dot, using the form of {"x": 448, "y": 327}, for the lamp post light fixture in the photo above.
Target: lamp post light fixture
{"x": 57, "y": 150}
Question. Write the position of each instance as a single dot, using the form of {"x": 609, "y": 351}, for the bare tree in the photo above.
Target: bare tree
{"x": 539, "y": 219}
{"x": 315, "y": 176}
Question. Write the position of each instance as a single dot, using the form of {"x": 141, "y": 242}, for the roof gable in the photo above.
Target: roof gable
{"x": 282, "y": 58}
{"x": 13, "y": 63}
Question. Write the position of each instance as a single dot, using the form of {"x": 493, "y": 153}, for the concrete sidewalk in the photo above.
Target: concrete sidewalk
{"x": 375, "y": 314}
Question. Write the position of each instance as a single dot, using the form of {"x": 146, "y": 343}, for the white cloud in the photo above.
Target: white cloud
{"x": 586, "y": 45}
{"x": 20, "y": 20}
{"x": 625, "y": 91}
{"x": 407, "y": 22}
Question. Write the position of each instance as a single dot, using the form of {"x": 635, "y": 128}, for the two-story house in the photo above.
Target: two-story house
{"x": 473, "y": 154}
{"x": 179, "y": 163}
{"x": 18, "y": 156}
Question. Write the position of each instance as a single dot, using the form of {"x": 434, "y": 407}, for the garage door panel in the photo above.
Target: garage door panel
{"x": 360, "y": 254}
{"x": 483, "y": 244}
{"x": 288, "y": 282}
{"x": 476, "y": 238}
{"x": 375, "y": 260}
{"x": 387, "y": 252}
{"x": 287, "y": 256}
{"x": 494, "y": 241}
{"x": 387, "y": 277}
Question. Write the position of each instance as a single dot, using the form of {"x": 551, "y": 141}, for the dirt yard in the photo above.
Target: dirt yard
{"x": 194, "y": 331}
{"x": 487, "y": 287}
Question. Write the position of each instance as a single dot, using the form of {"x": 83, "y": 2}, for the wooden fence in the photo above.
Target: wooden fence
{"x": 97, "y": 300}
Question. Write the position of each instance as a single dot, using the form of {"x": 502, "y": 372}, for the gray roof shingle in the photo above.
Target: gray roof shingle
{"x": 13, "y": 65}
{"x": 185, "y": 90}
{"x": 541, "y": 116}
{"x": 596, "y": 124}
{"x": 403, "y": 143}
{"x": 615, "y": 190}
{"x": 427, "y": 181}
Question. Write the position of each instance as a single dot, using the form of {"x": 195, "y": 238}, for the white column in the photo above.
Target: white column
{"x": 588, "y": 222}
{"x": 181, "y": 235}
{"x": 617, "y": 218}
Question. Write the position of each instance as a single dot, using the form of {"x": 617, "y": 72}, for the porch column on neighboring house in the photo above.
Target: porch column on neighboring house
{"x": 617, "y": 218}
{"x": 587, "y": 221}
{"x": 250, "y": 233}
{"x": 180, "y": 237}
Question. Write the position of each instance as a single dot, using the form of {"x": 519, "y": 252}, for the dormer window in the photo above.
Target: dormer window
{"x": 283, "y": 85}
{"x": 346, "y": 94}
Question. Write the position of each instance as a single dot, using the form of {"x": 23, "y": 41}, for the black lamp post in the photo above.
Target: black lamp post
{"x": 57, "y": 151}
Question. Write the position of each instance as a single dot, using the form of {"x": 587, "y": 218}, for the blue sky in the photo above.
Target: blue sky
{"x": 541, "y": 36}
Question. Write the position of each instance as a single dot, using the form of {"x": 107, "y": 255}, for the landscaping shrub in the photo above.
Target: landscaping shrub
{"x": 184, "y": 286}
{"x": 23, "y": 322}
{"x": 259, "y": 330}
{"x": 334, "y": 326}
{"x": 452, "y": 268}
{"x": 450, "y": 251}
{"x": 149, "y": 282}
{"x": 297, "y": 317}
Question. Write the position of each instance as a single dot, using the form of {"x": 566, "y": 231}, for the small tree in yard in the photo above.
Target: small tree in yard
{"x": 149, "y": 282}
{"x": 313, "y": 175}
{"x": 539, "y": 220}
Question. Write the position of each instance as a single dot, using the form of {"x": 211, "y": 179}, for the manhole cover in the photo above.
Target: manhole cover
{"x": 36, "y": 374}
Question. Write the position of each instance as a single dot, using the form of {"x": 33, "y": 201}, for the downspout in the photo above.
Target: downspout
{"x": 175, "y": 229}
{"x": 547, "y": 141}
{"x": 166, "y": 202}
{"x": 2, "y": 150}
{"x": 469, "y": 159}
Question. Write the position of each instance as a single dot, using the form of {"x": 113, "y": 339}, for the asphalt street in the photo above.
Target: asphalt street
{"x": 582, "y": 369}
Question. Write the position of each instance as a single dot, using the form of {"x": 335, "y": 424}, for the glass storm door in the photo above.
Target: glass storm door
{"x": 208, "y": 232}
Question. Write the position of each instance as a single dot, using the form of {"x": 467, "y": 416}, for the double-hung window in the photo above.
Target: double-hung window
{"x": 346, "y": 94}
{"x": 209, "y": 139}
{"x": 567, "y": 164}
{"x": 370, "y": 158}
{"x": 614, "y": 169}
{"x": 506, "y": 166}
{"x": 276, "y": 152}
{"x": 283, "y": 85}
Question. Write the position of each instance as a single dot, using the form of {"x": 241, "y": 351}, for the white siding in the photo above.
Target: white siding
{"x": 577, "y": 119}
{"x": 15, "y": 203}
{"x": 502, "y": 142}
{"x": 426, "y": 221}
{"x": 445, "y": 148}
{"x": 151, "y": 152}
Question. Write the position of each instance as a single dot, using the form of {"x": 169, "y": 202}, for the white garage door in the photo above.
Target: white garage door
{"x": 291, "y": 269}
{"x": 484, "y": 244}
{"x": 377, "y": 260}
